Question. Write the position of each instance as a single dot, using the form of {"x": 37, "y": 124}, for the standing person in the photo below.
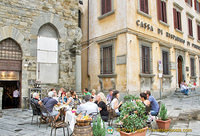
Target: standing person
{"x": 153, "y": 103}
{"x": 115, "y": 102}
{"x": 94, "y": 95}
{"x": 16, "y": 95}
{"x": 101, "y": 102}
{"x": 109, "y": 96}
{"x": 86, "y": 92}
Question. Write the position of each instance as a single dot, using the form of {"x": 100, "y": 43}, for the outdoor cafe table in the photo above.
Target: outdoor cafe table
{"x": 69, "y": 116}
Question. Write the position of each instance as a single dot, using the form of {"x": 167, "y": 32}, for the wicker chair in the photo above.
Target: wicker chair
{"x": 36, "y": 111}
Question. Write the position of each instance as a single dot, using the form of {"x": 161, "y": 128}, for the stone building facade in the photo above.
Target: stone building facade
{"x": 140, "y": 45}
{"x": 39, "y": 42}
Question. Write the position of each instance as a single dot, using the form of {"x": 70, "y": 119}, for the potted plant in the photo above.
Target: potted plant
{"x": 163, "y": 122}
{"x": 132, "y": 119}
{"x": 98, "y": 127}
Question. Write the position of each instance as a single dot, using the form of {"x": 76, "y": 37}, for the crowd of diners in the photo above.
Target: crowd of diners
{"x": 91, "y": 102}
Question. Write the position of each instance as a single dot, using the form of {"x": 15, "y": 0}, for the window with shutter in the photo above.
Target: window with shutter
{"x": 165, "y": 62}
{"x": 175, "y": 18}
{"x": 106, "y": 6}
{"x": 144, "y": 6}
{"x": 189, "y": 2}
{"x": 163, "y": 11}
{"x": 190, "y": 27}
{"x": 145, "y": 60}
{"x": 179, "y": 27}
{"x": 106, "y": 60}
{"x": 192, "y": 66}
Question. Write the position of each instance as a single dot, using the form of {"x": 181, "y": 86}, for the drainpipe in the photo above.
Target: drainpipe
{"x": 88, "y": 38}
{"x": 1, "y": 94}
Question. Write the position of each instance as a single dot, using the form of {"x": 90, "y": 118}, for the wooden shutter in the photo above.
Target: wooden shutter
{"x": 146, "y": 8}
{"x": 191, "y": 3}
{"x": 175, "y": 18}
{"x": 142, "y": 5}
{"x": 164, "y": 12}
{"x": 195, "y": 4}
{"x": 186, "y": 0}
{"x": 108, "y": 6}
{"x": 199, "y": 7}
{"x": 159, "y": 9}
{"x": 103, "y": 3}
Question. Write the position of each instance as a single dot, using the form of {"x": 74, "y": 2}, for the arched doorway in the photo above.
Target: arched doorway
{"x": 10, "y": 71}
{"x": 180, "y": 70}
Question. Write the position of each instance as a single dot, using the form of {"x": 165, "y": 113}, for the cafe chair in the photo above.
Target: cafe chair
{"x": 45, "y": 114}
{"x": 36, "y": 111}
{"x": 111, "y": 115}
{"x": 59, "y": 124}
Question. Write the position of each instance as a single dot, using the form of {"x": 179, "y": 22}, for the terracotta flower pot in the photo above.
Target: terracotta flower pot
{"x": 141, "y": 132}
{"x": 163, "y": 124}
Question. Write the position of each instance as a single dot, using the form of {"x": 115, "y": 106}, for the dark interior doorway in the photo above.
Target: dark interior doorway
{"x": 8, "y": 88}
{"x": 180, "y": 70}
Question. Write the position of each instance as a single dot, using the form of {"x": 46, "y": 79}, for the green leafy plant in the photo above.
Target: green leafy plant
{"x": 163, "y": 113}
{"x": 130, "y": 97}
{"x": 132, "y": 116}
{"x": 99, "y": 127}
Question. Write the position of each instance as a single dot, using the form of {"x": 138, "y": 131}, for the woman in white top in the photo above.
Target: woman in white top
{"x": 115, "y": 102}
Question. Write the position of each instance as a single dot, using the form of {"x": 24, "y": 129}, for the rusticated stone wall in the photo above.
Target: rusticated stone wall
{"x": 21, "y": 21}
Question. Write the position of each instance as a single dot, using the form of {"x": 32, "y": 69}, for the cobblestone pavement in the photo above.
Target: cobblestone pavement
{"x": 183, "y": 110}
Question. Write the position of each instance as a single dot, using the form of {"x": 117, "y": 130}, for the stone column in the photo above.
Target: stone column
{"x": 1, "y": 93}
{"x": 78, "y": 71}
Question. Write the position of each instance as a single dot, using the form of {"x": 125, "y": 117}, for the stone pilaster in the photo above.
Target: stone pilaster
{"x": 78, "y": 71}
{"x": 1, "y": 93}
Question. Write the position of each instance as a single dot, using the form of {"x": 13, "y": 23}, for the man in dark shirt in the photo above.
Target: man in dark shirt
{"x": 49, "y": 103}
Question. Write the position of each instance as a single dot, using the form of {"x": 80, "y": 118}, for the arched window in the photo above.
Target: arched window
{"x": 10, "y": 55}
{"x": 47, "y": 54}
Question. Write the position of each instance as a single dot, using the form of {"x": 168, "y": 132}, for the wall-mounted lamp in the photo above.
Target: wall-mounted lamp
{"x": 81, "y": 2}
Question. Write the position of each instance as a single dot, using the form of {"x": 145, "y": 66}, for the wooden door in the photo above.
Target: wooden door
{"x": 180, "y": 72}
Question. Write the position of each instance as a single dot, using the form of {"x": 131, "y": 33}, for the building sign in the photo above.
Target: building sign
{"x": 167, "y": 34}
{"x": 9, "y": 75}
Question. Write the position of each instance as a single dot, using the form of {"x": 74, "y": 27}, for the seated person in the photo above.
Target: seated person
{"x": 88, "y": 107}
{"x": 115, "y": 102}
{"x": 35, "y": 100}
{"x": 146, "y": 102}
{"x": 101, "y": 102}
{"x": 64, "y": 97}
{"x": 154, "y": 104}
{"x": 49, "y": 103}
{"x": 70, "y": 100}
{"x": 184, "y": 88}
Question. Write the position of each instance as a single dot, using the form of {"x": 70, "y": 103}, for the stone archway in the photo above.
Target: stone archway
{"x": 10, "y": 71}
